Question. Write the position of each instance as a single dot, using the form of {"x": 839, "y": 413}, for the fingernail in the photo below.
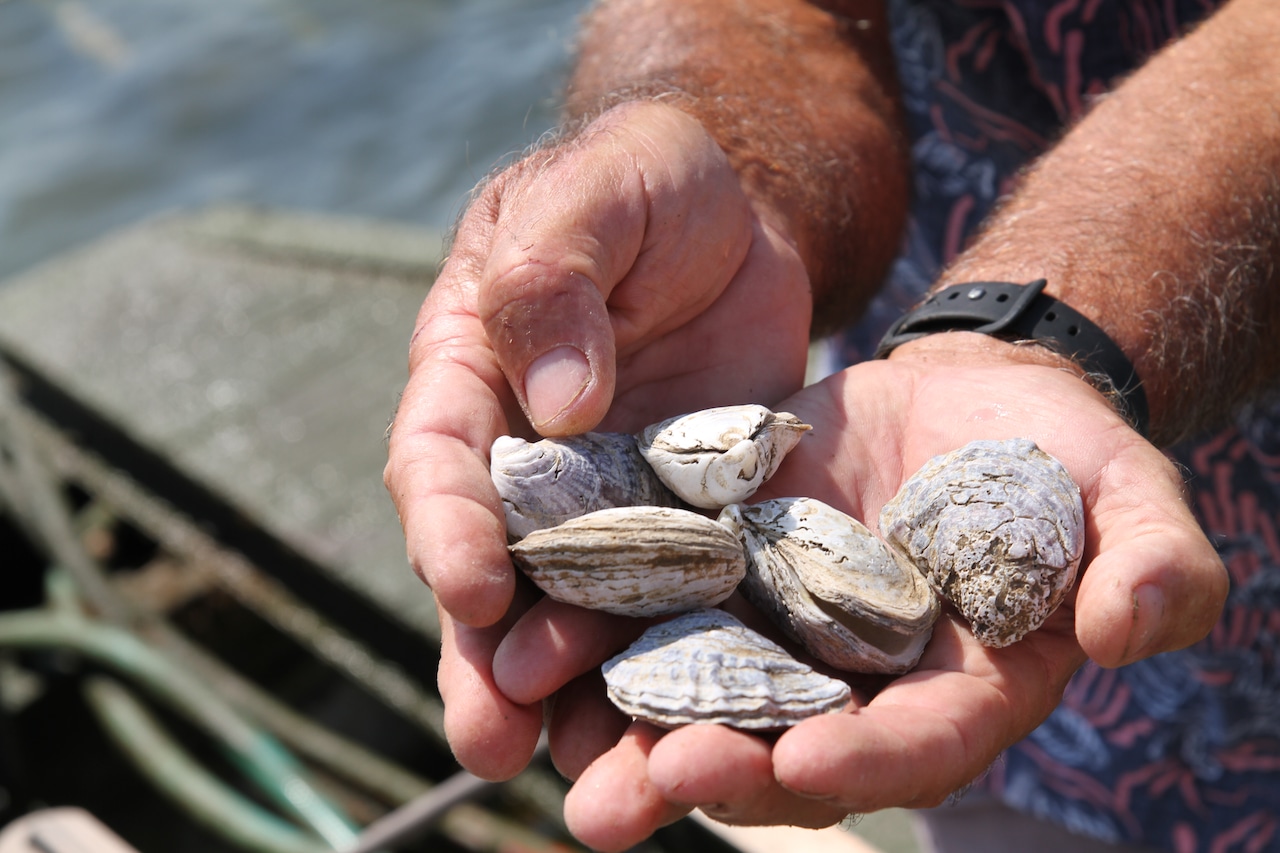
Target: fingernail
{"x": 553, "y": 382}
{"x": 1148, "y": 614}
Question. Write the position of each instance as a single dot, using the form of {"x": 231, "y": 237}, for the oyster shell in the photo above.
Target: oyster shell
{"x": 707, "y": 667}
{"x": 998, "y": 528}
{"x": 544, "y": 483}
{"x": 720, "y": 456}
{"x": 832, "y": 586}
{"x": 634, "y": 561}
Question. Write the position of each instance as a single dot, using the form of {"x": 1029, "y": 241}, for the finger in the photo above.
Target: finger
{"x": 491, "y": 736}
{"x": 613, "y": 805}
{"x": 933, "y": 731}
{"x": 437, "y": 466}
{"x": 584, "y": 724}
{"x": 729, "y": 775}
{"x": 1156, "y": 583}
{"x": 619, "y": 215}
{"x": 554, "y": 643}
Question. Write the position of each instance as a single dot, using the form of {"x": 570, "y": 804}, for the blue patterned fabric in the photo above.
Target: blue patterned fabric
{"x": 1181, "y": 751}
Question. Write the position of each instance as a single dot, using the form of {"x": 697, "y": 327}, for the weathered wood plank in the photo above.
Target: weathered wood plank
{"x": 260, "y": 354}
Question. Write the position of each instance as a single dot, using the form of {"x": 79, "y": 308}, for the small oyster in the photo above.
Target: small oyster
{"x": 998, "y": 528}
{"x": 544, "y": 483}
{"x": 707, "y": 667}
{"x": 832, "y": 586}
{"x": 634, "y": 561}
{"x": 720, "y": 456}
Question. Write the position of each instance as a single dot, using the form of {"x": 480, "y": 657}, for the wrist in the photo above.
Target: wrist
{"x": 974, "y": 349}
{"x": 1025, "y": 314}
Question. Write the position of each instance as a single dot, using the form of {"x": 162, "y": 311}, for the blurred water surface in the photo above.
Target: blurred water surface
{"x": 113, "y": 110}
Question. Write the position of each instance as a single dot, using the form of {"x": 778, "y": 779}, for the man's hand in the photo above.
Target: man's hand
{"x": 666, "y": 258}
{"x": 613, "y": 280}
{"x": 635, "y": 245}
{"x": 1151, "y": 583}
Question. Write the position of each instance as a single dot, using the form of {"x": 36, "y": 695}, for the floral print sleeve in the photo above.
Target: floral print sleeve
{"x": 1181, "y": 751}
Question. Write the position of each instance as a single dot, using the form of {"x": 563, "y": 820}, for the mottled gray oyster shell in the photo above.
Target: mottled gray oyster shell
{"x": 998, "y": 528}
{"x": 634, "y": 561}
{"x": 544, "y": 483}
{"x": 832, "y": 586}
{"x": 720, "y": 456}
{"x": 707, "y": 667}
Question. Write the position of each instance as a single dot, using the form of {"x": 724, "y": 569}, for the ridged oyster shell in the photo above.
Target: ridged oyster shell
{"x": 720, "y": 456}
{"x": 832, "y": 586}
{"x": 634, "y": 561}
{"x": 547, "y": 482}
{"x": 707, "y": 667}
{"x": 998, "y": 528}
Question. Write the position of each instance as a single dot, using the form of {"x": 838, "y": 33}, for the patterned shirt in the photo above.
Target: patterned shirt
{"x": 1180, "y": 751}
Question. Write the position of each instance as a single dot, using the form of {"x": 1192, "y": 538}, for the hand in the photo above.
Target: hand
{"x": 612, "y": 280}
{"x": 1152, "y": 583}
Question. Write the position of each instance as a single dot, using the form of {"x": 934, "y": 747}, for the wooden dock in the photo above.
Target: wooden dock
{"x": 244, "y": 364}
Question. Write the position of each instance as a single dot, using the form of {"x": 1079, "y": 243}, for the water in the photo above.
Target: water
{"x": 114, "y": 110}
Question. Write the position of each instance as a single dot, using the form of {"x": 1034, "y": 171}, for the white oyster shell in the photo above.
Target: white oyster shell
{"x": 998, "y": 528}
{"x": 707, "y": 667}
{"x": 634, "y": 561}
{"x": 546, "y": 482}
{"x": 720, "y": 456}
{"x": 832, "y": 586}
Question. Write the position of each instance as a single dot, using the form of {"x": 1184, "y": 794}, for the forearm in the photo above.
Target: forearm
{"x": 801, "y": 98}
{"x": 1158, "y": 217}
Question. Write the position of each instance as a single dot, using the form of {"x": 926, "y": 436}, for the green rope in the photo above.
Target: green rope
{"x": 260, "y": 756}
{"x": 171, "y": 770}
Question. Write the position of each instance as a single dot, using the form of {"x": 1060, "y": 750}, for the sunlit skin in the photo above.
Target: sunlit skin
{"x": 667, "y": 258}
{"x": 827, "y": 767}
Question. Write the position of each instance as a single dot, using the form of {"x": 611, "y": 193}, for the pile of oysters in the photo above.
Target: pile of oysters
{"x": 622, "y": 523}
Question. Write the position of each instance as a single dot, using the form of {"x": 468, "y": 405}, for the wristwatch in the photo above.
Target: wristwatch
{"x": 1022, "y": 312}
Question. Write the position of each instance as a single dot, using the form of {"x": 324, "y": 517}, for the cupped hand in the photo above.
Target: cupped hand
{"x": 607, "y": 281}
{"x": 1151, "y": 583}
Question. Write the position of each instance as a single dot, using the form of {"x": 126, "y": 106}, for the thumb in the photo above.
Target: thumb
{"x": 570, "y": 226}
{"x": 1156, "y": 583}
{"x": 551, "y": 332}
{"x": 603, "y": 245}
{"x": 1159, "y": 593}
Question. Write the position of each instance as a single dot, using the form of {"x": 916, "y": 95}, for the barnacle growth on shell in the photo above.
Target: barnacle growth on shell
{"x": 720, "y": 456}
{"x": 707, "y": 667}
{"x": 832, "y": 586}
{"x": 998, "y": 529}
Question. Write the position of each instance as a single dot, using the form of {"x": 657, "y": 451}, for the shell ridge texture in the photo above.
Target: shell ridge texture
{"x": 998, "y": 529}
{"x": 719, "y": 456}
{"x": 832, "y": 586}
{"x": 547, "y": 482}
{"x": 634, "y": 561}
{"x": 729, "y": 675}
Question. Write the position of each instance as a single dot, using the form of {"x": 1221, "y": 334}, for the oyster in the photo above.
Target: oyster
{"x": 832, "y": 586}
{"x": 720, "y": 456}
{"x": 634, "y": 561}
{"x": 998, "y": 528}
{"x": 544, "y": 483}
{"x": 707, "y": 667}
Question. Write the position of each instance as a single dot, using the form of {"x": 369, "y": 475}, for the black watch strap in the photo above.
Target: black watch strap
{"x": 1024, "y": 313}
